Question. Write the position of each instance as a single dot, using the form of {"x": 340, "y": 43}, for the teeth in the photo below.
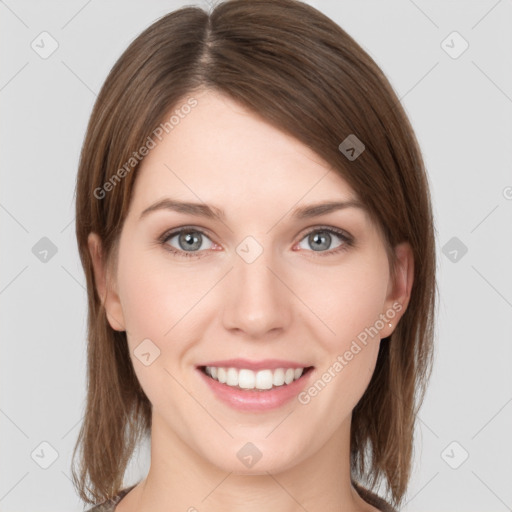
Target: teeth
{"x": 248, "y": 379}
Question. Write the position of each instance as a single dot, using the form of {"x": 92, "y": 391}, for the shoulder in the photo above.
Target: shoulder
{"x": 110, "y": 505}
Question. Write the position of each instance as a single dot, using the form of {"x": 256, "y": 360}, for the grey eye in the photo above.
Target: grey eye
{"x": 189, "y": 240}
{"x": 320, "y": 240}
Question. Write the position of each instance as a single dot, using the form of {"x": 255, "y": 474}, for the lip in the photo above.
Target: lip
{"x": 264, "y": 364}
{"x": 254, "y": 400}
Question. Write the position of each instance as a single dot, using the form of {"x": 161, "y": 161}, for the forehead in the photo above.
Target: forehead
{"x": 220, "y": 153}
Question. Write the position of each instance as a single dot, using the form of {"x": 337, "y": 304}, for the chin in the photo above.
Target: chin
{"x": 248, "y": 458}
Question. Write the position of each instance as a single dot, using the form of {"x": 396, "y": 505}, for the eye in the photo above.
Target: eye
{"x": 321, "y": 238}
{"x": 188, "y": 240}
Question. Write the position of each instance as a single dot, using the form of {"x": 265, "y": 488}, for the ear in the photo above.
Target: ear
{"x": 399, "y": 288}
{"x": 105, "y": 284}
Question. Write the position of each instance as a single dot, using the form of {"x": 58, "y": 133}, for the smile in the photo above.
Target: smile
{"x": 254, "y": 390}
{"x": 244, "y": 378}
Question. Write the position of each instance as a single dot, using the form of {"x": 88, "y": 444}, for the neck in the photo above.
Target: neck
{"x": 182, "y": 479}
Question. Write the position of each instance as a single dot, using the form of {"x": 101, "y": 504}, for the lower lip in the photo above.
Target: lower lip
{"x": 251, "y": 400}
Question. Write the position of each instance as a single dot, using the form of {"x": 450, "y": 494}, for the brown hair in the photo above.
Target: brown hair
{"x": 305, "y": 75}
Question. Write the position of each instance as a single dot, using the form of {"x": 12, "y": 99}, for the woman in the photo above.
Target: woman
{"x": 254, "y": 221}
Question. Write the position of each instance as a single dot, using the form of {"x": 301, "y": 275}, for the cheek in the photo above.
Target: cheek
{"x": 144, "y": 299}
{"x": 352, "y": 303}
{"x": 155, "y": 300}
{"x": 154, "y": 293}
{"x": 161, "y": 302}
{"x": 352, "y": 311}
{"x": 347, "y": 299}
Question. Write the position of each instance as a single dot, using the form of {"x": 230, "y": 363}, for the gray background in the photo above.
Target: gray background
{"x": 460, "y": 108}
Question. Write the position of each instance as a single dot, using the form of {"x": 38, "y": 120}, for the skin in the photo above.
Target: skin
{"x": 292, "y": 302}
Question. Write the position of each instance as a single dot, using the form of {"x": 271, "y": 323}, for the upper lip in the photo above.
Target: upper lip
{"x": 263, "y": 364}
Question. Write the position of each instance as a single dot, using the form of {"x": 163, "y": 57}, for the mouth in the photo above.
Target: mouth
{"x": 255, "y": 390}
{"x": 261, "y": 380}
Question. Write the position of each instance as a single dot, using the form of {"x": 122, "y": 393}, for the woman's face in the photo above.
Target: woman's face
{"x": 263, "y": 283}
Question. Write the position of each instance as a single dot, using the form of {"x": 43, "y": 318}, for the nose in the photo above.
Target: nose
{"x": 257, "y": 300}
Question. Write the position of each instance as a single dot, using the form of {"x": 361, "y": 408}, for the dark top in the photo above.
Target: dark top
{"x": 369, "y": 497}
{"x": 109, "y": 505}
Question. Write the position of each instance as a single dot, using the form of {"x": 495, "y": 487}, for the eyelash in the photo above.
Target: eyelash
{"x": 347, "y": 240}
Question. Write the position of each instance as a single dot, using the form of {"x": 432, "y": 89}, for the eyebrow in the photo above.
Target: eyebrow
{"x": 212, "y": 212}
